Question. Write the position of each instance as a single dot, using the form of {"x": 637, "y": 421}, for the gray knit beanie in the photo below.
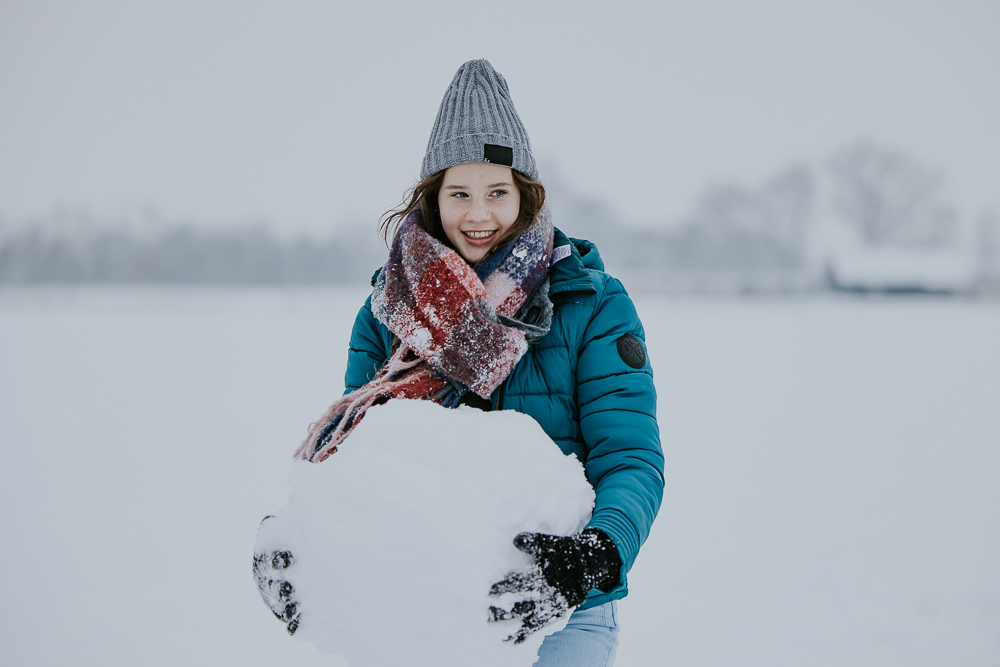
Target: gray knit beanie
{"x": 477, "y": 123}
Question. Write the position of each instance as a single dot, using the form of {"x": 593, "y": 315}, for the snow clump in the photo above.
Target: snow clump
{"x": 398, "y": 536}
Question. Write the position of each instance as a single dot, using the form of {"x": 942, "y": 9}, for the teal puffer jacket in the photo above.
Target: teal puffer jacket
{"x": 576, "y": 383}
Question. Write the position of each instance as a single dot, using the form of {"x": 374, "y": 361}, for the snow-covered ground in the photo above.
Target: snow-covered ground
{"x": 832, "y": 467}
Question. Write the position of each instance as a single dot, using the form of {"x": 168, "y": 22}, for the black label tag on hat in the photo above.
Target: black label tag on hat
{"x": 498, "y": 154}
{"x": 631, "y": 351}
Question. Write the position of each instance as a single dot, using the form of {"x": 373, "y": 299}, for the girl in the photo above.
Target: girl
{"x": 483, "y": 302}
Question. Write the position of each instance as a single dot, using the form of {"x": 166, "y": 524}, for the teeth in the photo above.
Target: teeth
{"x": 479, "y": 235}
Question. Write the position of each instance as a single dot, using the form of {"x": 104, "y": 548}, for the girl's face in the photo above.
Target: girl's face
{"x": 478, "y": 202}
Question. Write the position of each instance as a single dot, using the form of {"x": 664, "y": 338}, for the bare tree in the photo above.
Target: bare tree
{"x": 988, "y": 245}
{"x": 890, "y": 198}
{"x": 757, "y": 227}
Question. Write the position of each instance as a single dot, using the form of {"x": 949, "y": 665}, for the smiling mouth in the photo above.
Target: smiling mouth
{"x": 480, "y": 235}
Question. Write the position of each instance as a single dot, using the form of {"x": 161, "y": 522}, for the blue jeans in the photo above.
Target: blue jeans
{"x": 589, "y": 640}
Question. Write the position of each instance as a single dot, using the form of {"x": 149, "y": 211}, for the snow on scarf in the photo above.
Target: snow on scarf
{"x": 456, "y": 324}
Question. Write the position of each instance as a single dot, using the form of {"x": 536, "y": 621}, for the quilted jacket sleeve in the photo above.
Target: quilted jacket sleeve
{"x": 617, "y": 406}
{"x": 369, "y": 349}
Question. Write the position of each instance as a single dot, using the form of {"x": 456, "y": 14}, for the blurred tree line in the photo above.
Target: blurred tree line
{"x": 868, "y": 202}
{"x": 736, "y": 238}
{"x": 245, "y": 255}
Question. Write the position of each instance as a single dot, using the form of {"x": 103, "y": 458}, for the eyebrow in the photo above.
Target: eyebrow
{"x": 466, "y": 187}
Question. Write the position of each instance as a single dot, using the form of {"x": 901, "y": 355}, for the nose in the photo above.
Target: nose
{"x": 478, "y": 212}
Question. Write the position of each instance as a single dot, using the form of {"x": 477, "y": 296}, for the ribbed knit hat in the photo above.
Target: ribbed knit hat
{"x": 477, "y": 123}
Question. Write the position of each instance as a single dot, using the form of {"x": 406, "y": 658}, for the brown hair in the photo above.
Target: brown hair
{"x": 425, "y": 195}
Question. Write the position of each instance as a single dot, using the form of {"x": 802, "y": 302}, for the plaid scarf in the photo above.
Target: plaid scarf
{"x": 459, "y": 327}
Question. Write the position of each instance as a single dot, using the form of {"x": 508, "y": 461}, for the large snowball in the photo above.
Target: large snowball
{"x": 398, "y": 536}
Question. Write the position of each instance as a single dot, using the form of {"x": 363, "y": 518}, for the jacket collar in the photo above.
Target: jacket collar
{"x": 570, "y": 273}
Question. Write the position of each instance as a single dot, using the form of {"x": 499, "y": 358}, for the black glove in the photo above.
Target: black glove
{"x": 564, "y": 571}
{"x": 277, "y": 593}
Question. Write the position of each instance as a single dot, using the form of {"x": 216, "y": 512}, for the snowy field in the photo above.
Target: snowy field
{"x": 833, "y": 476}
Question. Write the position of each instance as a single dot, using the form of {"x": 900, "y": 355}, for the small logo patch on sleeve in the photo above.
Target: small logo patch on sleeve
{"x": 631, "y": 351}
{"x": 498, "y": 154}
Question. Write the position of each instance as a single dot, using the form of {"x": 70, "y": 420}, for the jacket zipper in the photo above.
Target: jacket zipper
{"x": 498, "y": 397}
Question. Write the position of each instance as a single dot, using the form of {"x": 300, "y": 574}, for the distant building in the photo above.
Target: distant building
{"x": 895, "y": 270}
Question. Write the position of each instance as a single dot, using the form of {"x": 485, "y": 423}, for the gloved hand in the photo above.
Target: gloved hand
{"x": 564, "y": 571}
{"x": 276, "y": 591}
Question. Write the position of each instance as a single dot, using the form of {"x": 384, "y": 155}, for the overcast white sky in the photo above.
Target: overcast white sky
{"x": 310, "y": 115}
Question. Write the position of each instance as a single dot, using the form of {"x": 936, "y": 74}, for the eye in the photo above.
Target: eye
{"x": 459, "y": 195}
{"x": 499, "y": 193}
